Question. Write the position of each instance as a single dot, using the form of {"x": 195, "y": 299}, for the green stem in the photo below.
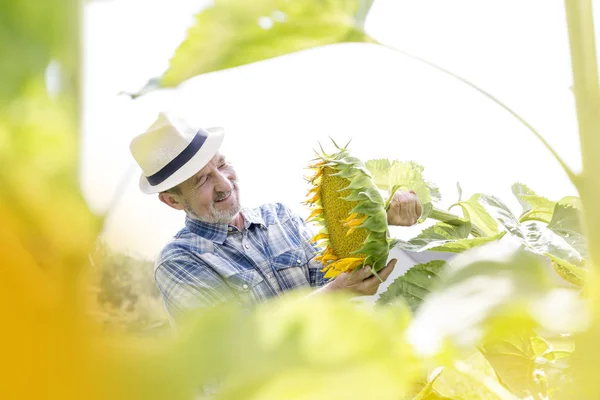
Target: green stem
{"x": 587, "y": 99}
{"x": 389, "y": 200}
{"x": 449, "y": 218}
{"x": 567, "y": 170}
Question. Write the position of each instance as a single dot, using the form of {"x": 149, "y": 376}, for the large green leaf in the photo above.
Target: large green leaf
{"x": 535, "y": 207}
{"x": 230, "y": 33}
{"x": 538, "y": 237}
{"x": 474, "y": 212}
{"x": 566, "y": 222}
{"x": 402, "y": 175}
{"x": 470, "y": 378}
{"x": 515, "y": 358}
{"x": 414, "y": 285}
{"x": 450, "y": 236}
{"x": 488, "y": 291}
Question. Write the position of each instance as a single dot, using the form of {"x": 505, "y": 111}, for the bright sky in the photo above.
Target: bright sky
{"x": 275, "y": 112}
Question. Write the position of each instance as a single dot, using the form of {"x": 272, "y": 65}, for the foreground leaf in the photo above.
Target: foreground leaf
{"x": 491, "y": 290}
{"x": 515, "y": 358}
{"x": 230, "y": 33}
{"x": 535, "y": 208}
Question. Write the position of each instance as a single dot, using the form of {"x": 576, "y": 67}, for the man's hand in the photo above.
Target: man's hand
{"x": 405, "y": 209}
{"x": 361, "y": 282}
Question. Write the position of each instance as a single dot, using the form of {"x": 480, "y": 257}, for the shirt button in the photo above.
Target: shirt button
{"x": 247, "y": 246}
{"x": 299, "y": 261}
{"x": 230, "y": 229}
{"x": 245, "y": 286}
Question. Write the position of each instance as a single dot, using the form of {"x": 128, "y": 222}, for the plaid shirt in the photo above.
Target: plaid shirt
{"x": 207, "y": 264}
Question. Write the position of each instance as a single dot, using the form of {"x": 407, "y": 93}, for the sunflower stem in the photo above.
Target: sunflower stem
{"x": 451, "y": 219}
{"x": 389, "y": 200}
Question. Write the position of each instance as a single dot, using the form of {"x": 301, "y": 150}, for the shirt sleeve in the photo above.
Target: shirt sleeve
{"x": 187, "y": 284}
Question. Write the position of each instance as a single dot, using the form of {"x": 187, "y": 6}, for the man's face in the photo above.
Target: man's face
{"x": 212, "y": 195}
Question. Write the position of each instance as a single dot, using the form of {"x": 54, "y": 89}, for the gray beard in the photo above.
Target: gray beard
{"x": 218, "y": 216}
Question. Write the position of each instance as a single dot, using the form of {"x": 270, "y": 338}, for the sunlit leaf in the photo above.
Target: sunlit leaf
{"x": 472, "y": 378}
{"x": 326, "y": 347}
{"x": 535, "y": 207}
{"x": 397, "y": 175}
{"x": 230, "y": 33}
{"x": 491, "y": 290}
{"x": 414, "y": 285}
{"x": 515, "y": 359}
{"x": 451, "y": 236}
{"x": 566, "y": 222}
{"x": 538, "y": 237}
{"x": 474, "y": 212}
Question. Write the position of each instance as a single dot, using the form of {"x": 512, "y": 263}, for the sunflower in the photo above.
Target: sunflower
{"x": 347, "y": 205}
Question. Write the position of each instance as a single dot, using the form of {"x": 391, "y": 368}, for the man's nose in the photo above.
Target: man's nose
{"x": 222, "y": 182}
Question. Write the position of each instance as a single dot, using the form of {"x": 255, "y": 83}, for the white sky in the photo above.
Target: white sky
{"x": 274, "y": 112}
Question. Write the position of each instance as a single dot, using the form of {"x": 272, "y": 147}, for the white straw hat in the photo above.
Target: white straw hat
{"x": 171, "y": 151}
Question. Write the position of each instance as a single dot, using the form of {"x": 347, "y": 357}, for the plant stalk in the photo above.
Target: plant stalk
{"x": 452, "y": 219}
{"x": 587, "y": 100}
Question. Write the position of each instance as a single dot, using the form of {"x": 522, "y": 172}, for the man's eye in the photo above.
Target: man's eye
{"x": 202, "y": 181}
{"x": 223, "y": 165}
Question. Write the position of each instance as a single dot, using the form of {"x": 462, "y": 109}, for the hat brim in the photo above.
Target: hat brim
{"x": 209, "y": 148}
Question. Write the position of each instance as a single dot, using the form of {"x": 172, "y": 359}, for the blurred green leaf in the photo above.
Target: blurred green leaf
{"x": 474, "y": 212}
{"x": 470, "y": 378}
{"x": 325, "y": 347}
{"x": 491, "y": 290}
{"x": 414, "y": 285}
{"x": 515, "y": 357}
{"x": 230, "y": 33}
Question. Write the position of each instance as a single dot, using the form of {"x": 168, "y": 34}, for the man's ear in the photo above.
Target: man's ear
{"x": 172, "y": 200}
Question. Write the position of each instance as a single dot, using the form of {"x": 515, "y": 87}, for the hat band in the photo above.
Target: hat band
{"x": 178, "y": 161}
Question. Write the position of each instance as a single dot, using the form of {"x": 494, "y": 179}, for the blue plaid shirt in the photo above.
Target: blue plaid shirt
{"x": 207, "y": 264}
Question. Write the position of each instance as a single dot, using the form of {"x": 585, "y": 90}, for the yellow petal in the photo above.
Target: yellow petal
{"x": 350, "y": 218}
{"x": 320, "y": 236}
{"x": 356, "y": 221}
{"x": 347, "y": 264}
{"x": 315, "y": 213}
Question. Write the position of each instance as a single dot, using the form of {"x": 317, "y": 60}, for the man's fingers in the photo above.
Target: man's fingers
{"x": 384, "y": 273}
{"x": 360, "y": 275}
{"x": 418, "y": 209}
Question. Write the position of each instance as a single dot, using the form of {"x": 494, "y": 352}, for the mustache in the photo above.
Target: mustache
{"x": 222, "y": 195}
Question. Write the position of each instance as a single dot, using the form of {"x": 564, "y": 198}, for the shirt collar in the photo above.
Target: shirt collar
{"x": 218, "y": 232}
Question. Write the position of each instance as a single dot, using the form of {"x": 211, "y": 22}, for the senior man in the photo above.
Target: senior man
{"x": 226, "y": 252}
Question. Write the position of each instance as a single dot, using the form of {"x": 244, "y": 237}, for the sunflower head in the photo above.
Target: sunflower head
{"x": 347, "y": 205}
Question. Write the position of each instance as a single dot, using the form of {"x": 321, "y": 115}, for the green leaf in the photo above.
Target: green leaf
{"x": 230, "y": 33}
{"x": 535, "y": 207}
{"x": 538, "y": 237}
{"x": 520, "y": 189}
{"x": 566, "y": 222}
{"x": 403, "y": 175}
{"x": 380, "y": 171}
{"x": 488, "y": 291}
{"x": 514, "y": 359}
{"x": 370, "y": 193}
{"x": 449, "y": 236}
{"x": 472, "y": 378}
{"x": 414, "y": 285}
{"x": 474, "y": 212}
